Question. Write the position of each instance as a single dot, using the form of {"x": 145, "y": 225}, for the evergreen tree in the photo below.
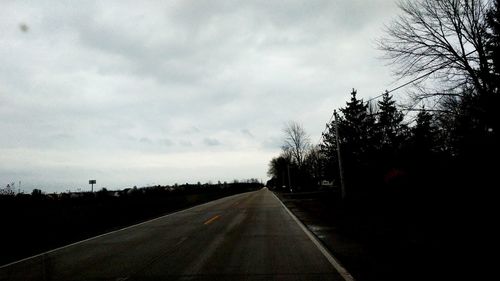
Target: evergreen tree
{"x": 328, "y": 151}
{"x": 356, "y": 138}
{"x": 424, "y": 133}
{"x": 355, "y": 126}
{"x": 389, "y": 122}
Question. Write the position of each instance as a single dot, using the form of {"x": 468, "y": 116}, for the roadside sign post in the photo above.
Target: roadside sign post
{"x": 92, "y": 182}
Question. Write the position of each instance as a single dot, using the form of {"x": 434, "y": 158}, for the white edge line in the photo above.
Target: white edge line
{"x": 118, "y": 230}
{"x": 340, "y": 269}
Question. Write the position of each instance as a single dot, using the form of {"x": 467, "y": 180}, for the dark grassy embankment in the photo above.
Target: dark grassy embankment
{"x": 386, "y": 238}
{"x": 33, "y": 224}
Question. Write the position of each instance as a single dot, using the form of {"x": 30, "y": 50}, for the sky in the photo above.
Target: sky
{"x": 164, "y": 92}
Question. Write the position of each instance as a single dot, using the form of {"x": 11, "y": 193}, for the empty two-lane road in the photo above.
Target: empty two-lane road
{"x": 248, "y": 236}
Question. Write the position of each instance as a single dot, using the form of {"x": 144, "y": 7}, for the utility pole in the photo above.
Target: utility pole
{"x": 289, "y": 181}
{"x": 339, "y": 157}
{"x": 283, "y": 180}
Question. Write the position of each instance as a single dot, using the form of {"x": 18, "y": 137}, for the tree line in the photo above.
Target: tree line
{"x": 444, "y": 142}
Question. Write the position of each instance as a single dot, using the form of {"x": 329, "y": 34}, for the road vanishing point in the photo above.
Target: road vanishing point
{"x": 249, "y": 236}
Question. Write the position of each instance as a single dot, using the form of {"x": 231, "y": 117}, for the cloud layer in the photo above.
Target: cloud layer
{"x": 132, "y": 94}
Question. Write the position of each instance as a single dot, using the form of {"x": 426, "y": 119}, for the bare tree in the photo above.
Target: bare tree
{"x": 296, "y": 142}
{"x": 446, "y": 38}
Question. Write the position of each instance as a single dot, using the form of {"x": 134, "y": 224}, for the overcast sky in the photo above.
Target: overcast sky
{"x": 159, "y": 92}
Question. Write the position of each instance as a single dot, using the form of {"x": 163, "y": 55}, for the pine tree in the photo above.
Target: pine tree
{"x": 328, "y": 150}
{"x": 424, "y": 133}
{"x": 355, "y": 126}
{"x": 389, "y": 122}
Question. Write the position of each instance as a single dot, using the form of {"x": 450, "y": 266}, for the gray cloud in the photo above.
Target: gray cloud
{"x": 166, "y": 142}
{"x": 186, "y": 143}
{"x": 145, "y": 140}
{"x": 120, "y": 83}
{"x": 211, "y": 142}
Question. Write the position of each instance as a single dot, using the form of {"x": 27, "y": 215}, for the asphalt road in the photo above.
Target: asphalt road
{"x": 247, "y": 236}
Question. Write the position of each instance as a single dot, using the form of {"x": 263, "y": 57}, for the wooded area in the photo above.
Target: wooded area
{"x": 421, "y": 176}
{"x": 444, "y": 141}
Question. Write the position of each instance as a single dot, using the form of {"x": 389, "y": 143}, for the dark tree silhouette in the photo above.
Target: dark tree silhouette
{"x": 457, "y": 42}
{"x": 314, "y": 165}
{"x": 447, "y": 38}
{"x": 36, "y": 192}
{"x": 425, "y": 132}
{"x": 356, "y": 129}
{"x": 279, "y": 168}
{"x": 493, "y": 46}
{"x": 389, "y": 122}
{"x": 358, "y": 141}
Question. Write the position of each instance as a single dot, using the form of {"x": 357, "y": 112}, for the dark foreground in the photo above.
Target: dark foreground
{"x": 376, "y": 241}
{"x": 248, "y": 236}
{"x": 32, "y": 224}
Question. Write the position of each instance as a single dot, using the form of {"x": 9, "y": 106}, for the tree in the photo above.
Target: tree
{"x": 36, "y": 192}
{"x": 328, "y": 150}
{"x": 356, "y": 128}
{"x": 446, "y": 37}
{"x": 313, "y": 163}
{"x": 424, "y": 132}
{"x": 389, "y": 122}
{"x": 357, "y": 139}
{"x": 278, "y": 170}
{"x": 296, "y": 142}
{"x": 493, "y": 46}
{"x": 493, "y": 49}
{"x": 289, "y": 169}
{"x": 457, "y": 42}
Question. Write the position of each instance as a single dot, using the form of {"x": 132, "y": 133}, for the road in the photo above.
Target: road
{"x": 247, "y": 236}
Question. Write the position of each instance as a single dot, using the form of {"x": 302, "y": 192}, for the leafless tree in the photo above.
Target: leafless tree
{"x": 296, "y": 142}
{"x": 445, "y": 38}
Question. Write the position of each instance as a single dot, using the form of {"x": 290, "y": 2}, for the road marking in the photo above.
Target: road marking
{"x": 340, "y": 269}
{"x": 180, "y": 241}
{"x": 211, "y": 220}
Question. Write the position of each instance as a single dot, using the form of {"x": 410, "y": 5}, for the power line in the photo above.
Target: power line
{"x": 419, "y": 77}
{"x": 412, "y": 108}
{"x": 392, "y": 90}
{"x": 429, "y": 110}
{"x": 402, "y": 86}
{"x": 326, "y": 127}
{"x": 408, "y": 110}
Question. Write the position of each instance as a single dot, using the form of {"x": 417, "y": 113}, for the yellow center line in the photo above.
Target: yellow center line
{"x": 211, "y": 220}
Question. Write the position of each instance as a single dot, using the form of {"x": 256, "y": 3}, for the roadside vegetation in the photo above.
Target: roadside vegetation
{"x": 37, "y": 222}
{"x": 419, "y": 177}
